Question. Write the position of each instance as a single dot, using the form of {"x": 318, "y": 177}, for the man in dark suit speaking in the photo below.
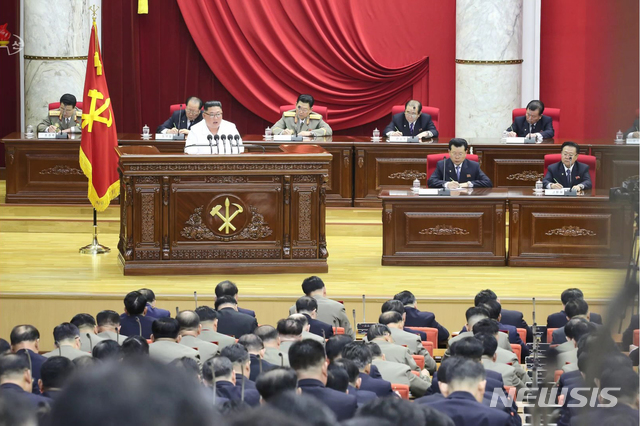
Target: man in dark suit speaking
{"x": 456, "y": 171}
{"x": 532, "y": 123}
{"x": 181, "y": 121}
{"x": 412, "y": 122}
{"x": 568, "y": 173}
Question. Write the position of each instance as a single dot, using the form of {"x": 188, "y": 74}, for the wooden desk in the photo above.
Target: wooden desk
{"x": 204, "y": 214}
{"x": 470, "y": 227}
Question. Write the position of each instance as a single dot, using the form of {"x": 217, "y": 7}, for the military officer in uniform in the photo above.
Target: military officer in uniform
{"x": 67, "y": 339}
{"x": 302, "y": 121}
{"x": 68, "y": 119}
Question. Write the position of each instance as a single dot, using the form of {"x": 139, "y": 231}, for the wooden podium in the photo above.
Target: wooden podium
{"x": 208, "y": 214}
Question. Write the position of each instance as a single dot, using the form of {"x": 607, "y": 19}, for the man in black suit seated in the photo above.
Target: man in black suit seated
{"x": 274, "y": 382}
{"x": 532, "y": 123}
{"x": 134, "y": 322}
{"x": 230, "y": 321}
{"x": 576, "y": 308}
{"x": 308, "y": 359}
{"x": 353, "y": 374}
{"x": 464, "y": 393}
{"x": 308, "y": 306}
{"x": 458, "y": 172}
{"x": 181, "y": 121}
{"x": 416, "y": 318}
{"x": 219, "y": 372}
{"x": 568, "y": 173}
{"x": 55, "y": 373}
{"x": 239, "y": 357}
{"x": 397, "y": 306}
{"x": 362, "y": 358}
{"x": 507, "y": 316}
{"x": 15, "y": 377}
{"x": 412, "y": 122}
{"x": 25, "y": 339}
{"x": 559, "y": 319}
{"x": 253, "y": 344}
{"x": 228, "y": 288}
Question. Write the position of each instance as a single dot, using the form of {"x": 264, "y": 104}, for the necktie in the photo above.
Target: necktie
{"x": 411, "y": 128}
{"x": 458, "y": 173}
{"x": 188, "y": 124}
{"x": 568, "y": 173}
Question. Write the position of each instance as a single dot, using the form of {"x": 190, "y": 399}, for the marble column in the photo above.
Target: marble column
{"x": 56, "y": 43}
{"x": 488, "y": 66}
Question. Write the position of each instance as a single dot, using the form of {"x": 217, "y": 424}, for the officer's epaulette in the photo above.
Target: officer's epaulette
{"x": 54, "y": 113}
{"x": 315, "y": 116}
{"x": 291, "y": 113}
{"x": 78, "y": 113}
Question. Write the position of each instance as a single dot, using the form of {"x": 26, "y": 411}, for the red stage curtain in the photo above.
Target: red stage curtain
{"x": 267, "y": 52}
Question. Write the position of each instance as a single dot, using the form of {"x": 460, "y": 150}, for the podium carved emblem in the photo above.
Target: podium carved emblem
{"x": 227, "y": 218}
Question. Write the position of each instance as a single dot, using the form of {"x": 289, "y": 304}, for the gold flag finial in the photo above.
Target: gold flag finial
{"x": 94, "y": 11}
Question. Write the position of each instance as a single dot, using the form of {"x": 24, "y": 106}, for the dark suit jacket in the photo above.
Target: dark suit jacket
{"x": 362, "y": 396}
{"x": 247, "y": 311}
{"x": 579, "y": 175}
{"x": 179, "y": 120}
{"x": 634, "y": 128}
{"x": 516, "y": 319}
{"x": 627, "y": 336}
{"x": 464, "y": 410}
{"x": 422, "y": 124}
{"x": 374, "y": 372}
{"x": 320, "y": 328}
{"x": 559, "y": 319}
{"x": 234, "y": 393}
{"x": 544, "y": 126}
{"x": 599, "y": 415}
{"x": 234, "y": 323}
{"x": 494, "y": 381}
{"x": 344, "y": 406}
{"x": 416, "y": 318}
{"x": 255, "y": 367}
{"x": 36, "y": 400}
{"x": 514, "y": 337}
{"x": 36, "y": 363}
{"x": 129, "y": 326}
{"x": 380, "y": 387}
{"x": 157, "y": 312}
{"x": 469, "y": 172}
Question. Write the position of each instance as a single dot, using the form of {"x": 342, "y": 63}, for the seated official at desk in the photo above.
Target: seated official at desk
{"x": 212, "y": 124}
{"x": 633, "y": 131}
{"x": 412, "y": 122}
{"x": 67, "y": 119}
{"x": 181, "y": 121}
{"x": 458, "y": 172}
{"x": 302, "y": 121}
{"x": 533, "y": 122}
{"x": 568, "y": 173}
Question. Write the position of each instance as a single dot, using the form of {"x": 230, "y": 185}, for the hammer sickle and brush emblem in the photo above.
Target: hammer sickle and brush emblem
{"x": 226, "y": 219}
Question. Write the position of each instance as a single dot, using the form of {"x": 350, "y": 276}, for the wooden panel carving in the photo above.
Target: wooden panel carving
{"x": 409, "y": 175}
{"x": 61, "y": 171}
{"x": 304, "y": 222}
{"x": 309, "y": 253}
{"x": 148, "y": 217}
{"x": 571, "y": 231}
{"x": 444, "y": 230}
{"x": 195, "y": 229}
{"x": 527, "y": 176}
{"x": 224, "y": 254}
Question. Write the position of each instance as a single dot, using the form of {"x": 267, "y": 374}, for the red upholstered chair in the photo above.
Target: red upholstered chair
{"x": 429, "y": 347}
{"x": 432, "y": 334}
{"x": 554, "y": 113}
{"x": 432, "y": 161}
{"x": 517, "y": 349}
{"x": 323, "y": 111}
{"x": 550, "y": 330}
{"x": 511, "y": 391}
{"x": 636, "y": 337}
{"x": 403, "y": 390}
{"x": 419, "y": 359}
{"x": 56, "y": 105}
{"x": 589, "y": 160}
{"x": 522, "y": 332}
{"x": 432, "y": 111}
{"x": 556, "y": 375}
{"x": 338, "y": 330}
{"x": 173, "y": 108}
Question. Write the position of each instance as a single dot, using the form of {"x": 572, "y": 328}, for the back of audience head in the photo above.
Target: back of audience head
{"x": 233, "y": 408}
{"x": 142, "y": 394}
{"x": 276, "y": 381}
{"x": 465, "y": 375}
{"x": 165, "y": 328}
{"x": 475, "y": 314}
{"x": 306, "y": 409}
{"x": 239, "y": 357}
{"x": 578, "y": 327}
{"x": 393, "y": 305}
{"x": 307, "y": 305}
{"x": 396, "y": 410}
{"x": 188, "y": 321}
{"x": 24, "y": 337}
{"x": 135, "y": 346}
{"x": 352, "y": 371}
{"x": 289, "y": 328}
{"x": 219, "y": 367}
{"x": 335, "y": 344}
{"x": 148, "y": 294}
{"x": 622, "y": 383}
{"x": 406, "y": 297}
{"x": 5, "y": 347}
{"x": 55, "y": 372}
{"x": 85, "y": 363}
{"x": 135, "y": 303}
{"x": 66, "y": 333}
{"x": 16, "y": 410}
{"x": 576, "y": 307}
{"x": 208, "y": 316}
{"x": 108, "y": 320}
{"x": 226, "y": 288}
{"x": 312, "y": 285}
{"x": 302, "y": 320}
{"x": 486, "y": 326}
{"x": 189, "y": 367}
{"x": 468, "y": 347}
{"x": 15, "y": 368}
{"x": 226, "y": 302}
{"x": 378, "y": 331}
{"x": 375, "y": 350}
{"x": 107, "y": 350}
{"x": 359, "y": 353}
{"x": 570, "y": 294}
{"x": 252, "y": 343}
{"x": 484, "y": 296}
{"x": 489, "y": 344}
{"x": 268, "y": 334}
{"x": 307, "y": 358}
{"x": 390, "y": 317}
{"x": 337, "y": 378}
{"x": 493, "y": 308}
{"x": 84, "y": 322}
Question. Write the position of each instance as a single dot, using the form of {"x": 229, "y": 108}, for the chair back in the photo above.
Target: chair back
{"x": 432, "y": 162}
{"x": 419, "y": 359}
{"x": 589, "y": 160}
{"x": 550, "y": 330}
{"x": 338, "y": 330}
{"x": 431, "y": 332}
{"x": 636, "y": 337}
{"x": 403, "y": 390}
{"x": 429, "y": 347}
{"x": 554, "y": 113}
{"x": 323, "y": 111}
{"x": 522, "y": 332}
{"x": 517, "y": 349}
{"x": 432, "y": 111}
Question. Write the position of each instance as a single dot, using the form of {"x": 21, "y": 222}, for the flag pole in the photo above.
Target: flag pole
{"x": 95, "y": 247}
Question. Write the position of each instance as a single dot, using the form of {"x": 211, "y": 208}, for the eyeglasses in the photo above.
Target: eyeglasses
{"x": 214, "y": 115}
{"x": 302, "y": 109}
{"x": 568, "y": 155}
{"x": 411, "y": 113}
{"x": 192, "y": 111}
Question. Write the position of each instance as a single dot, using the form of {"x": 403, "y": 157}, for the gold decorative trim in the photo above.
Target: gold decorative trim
{"x": 571, "y": 231}
{"x": 63, "y": 170}
{"x": 56, "y": 58}
{"x": 195, "y": 229}
{"x": 444, "y": 230}
{"x": 527, "y": 175}
{"x": 408, "y": 175}
{"x": 472, "y": 62}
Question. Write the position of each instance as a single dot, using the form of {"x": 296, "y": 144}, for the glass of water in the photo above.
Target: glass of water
{"x": 145, "y": 131}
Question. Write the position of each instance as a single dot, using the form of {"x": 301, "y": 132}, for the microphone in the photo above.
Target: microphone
{"x": 230, "y": 142}
{"x": 239, "y": 144}
{"x": 139, "y": 325}
{"x": 444, "y": 171}
{"x": 177, "y": 311}
{"x": 180, "y": 118}
{"x": 364, "y": 308}
{"x": 195, "y": 297}
{"x": 214, "y": 387}
{"x": 242, "y": 390}
{"x": 354, "y": 318}
{"x": 223, "y": 140}
{"x": 216, "y": 138}
{"x": 260, "y": 361}
{"x": 90, "y": 342}
{"x": 210, "y": 139}
{"x": 252, "y": 145}
{"x": 234, "y": 144}
{"x": 281, "y": 359}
